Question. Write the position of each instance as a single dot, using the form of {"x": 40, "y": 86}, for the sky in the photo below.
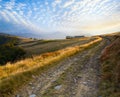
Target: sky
{"x": 55, "y": 18}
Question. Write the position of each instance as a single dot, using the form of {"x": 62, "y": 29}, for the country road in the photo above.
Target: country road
{"x": 76, "y": 76}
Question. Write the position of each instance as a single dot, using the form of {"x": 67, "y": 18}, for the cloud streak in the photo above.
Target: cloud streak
{"x": 67, "y": 16}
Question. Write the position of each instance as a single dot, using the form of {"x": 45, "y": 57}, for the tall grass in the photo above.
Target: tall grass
{"x": 14, "y": 75}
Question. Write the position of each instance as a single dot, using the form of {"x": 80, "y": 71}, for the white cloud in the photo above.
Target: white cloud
{"x": 4, "y": 15}
{"x": 75, "y": 15}
{"x": 29, "y": 13}
{"x": 56, "y": 2}
{"x": 46, "y": 3}
{"x": 10, "y": 5}
{"x": 20, "y": 6}
{"x": 11, "y": 16}
{"x": 68, "y": 3}
{"x": 19, "y": 18}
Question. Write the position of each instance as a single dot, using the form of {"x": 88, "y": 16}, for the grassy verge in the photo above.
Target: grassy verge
{"x": 13, "y": 76}
{"x": 110, "y": 82}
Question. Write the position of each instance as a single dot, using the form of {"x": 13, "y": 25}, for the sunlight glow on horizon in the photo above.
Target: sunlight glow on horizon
{"x": 60, "y": 16}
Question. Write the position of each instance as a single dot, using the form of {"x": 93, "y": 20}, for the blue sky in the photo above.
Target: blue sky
{"x": 69, "y": 17}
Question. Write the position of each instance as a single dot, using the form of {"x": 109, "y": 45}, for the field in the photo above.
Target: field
{"x": 64, "y": 68}
{"x": 36, "y": 47}
{"x": 17, "y": 74}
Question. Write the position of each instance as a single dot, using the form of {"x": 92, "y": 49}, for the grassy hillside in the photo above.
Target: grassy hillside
{"x": 14, "y": 76}
{"x": 9, "y": 52}
{"x": 37, "y": 47}
{"x": 110, "y": 82}
{"x": 14, "y": 48}
{"x": 44, "y": 54}
{"x": 7, "y": 39}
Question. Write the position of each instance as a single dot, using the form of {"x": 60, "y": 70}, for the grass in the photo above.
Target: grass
{"x": 14, "y": 76}
{"x": 110, "y": 82}
{"x": 35, "y": 42}
{"x": 73, "y": 71}
{"x": 43, "y": 46}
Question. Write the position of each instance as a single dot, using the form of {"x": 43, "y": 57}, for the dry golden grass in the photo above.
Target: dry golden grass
{"x": 41, "y": 60}
{"x": 14, "y": 75}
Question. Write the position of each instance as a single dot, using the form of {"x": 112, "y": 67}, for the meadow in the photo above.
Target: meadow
{"x": 16, "y": 75}
{"x": 36, "y": 47}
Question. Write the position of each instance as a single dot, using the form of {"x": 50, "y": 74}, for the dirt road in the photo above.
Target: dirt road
{"x": 76, "y": 76}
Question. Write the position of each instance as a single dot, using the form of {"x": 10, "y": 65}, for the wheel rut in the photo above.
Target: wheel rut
{"x": 76, "y": 76}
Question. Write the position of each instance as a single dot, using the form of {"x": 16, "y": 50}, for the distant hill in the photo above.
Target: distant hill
{"x": 9, "y": 52}
{"x": 5, "y": 38}
{"x": 50, "y": 35}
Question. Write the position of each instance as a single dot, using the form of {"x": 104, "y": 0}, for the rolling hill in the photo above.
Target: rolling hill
{"x": 83, "y": 67}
